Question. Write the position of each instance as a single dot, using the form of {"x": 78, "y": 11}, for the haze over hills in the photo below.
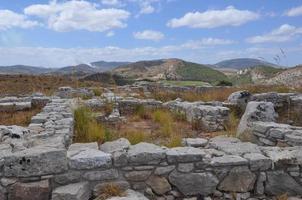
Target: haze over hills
{"x": 24, "y": 69}
{"x": 105, "y": 66}
{"x": 242, "y": 63}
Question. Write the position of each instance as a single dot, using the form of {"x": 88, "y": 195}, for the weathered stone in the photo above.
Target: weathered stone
{"x": 239, "y": 179}
{"x": 33, "y": 191}
{"x": 35, "y": 161}
{"x": 260, "y": 183}
{"x": 109, "y": 174}
{"x": 88, "y": 159}
{"x": 130, "y": 195}
{"x": 137, "y": 175}
{"x": 228, "y": 160}
{"x": 194, "y": 142}
{"x": 159, "y": 185}
{"x": 279, "y": 182}
{"x": 194, "y": 183}
{"x": 76, "y": 191}
{"x": 185, "y": 167}
{"x": 239, "y": 148}
{"x": 117, "y": 145}
{"x": 145, "y": 153}
{"x": 184, "y": 154}
{"x": 240, "y": 98}
{"x": 69, "y": 177}
{"x": 164, "y": 170}
{"x": 258, "y": 161}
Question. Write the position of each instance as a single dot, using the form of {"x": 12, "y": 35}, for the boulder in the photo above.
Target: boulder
{"x": 159, "y": 185}
{"x": 239, "y": 179}
{"x": 194, "y": 183}
{"x": 279, "y": 182}
{"x": 145, "y": 153}
{"x": 194, "y": 142}
{"x": 36, "y": 161}
{"x": 117, "y": 145}
{"x": 33, "y": 191}
{"x": 240, "y": 98}
{"x": 184, "y": 154}
{"x": 255, "y": 111}
{"x": 76, "y": 191}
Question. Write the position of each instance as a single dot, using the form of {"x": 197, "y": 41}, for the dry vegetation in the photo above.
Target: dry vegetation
{"x": 110, "y": 190}
{"x": 11, "y": 85}
{"x": 20, "y": 118}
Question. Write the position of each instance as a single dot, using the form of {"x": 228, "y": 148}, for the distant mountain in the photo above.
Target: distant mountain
{"x": 105, "y": 66}
{"x": 170, "y": 69}
{"x": 78, "y": 70}
{"x": 23, "y": 69}
{"x": 242, "y": 63}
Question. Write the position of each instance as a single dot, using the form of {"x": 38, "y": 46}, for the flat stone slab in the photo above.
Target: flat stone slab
{"x": 145, "y": 153}
{"x": 117, "y": 145}
{"x": 258, "y": 161}
{"x": 184, "y": 154}
{"x": 36, "y": 161}
{"x": 88, "y": 158}
{"x": 228, "y": 160}
{"x": 194, "y": 142}
{"x": 33, "y": 190}
{"x": 238, "y": 148}
{"x": 77, "y": 191}
{"x": 130, "y": 195}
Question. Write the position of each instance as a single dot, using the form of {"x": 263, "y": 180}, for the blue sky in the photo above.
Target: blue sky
{"x": 60, "y": 33}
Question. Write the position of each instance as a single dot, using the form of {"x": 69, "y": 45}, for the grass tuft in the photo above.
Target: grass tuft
{"x": 110, "y": 190}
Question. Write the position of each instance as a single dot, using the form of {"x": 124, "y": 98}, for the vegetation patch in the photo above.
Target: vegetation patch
{"x": 20, "y": 118}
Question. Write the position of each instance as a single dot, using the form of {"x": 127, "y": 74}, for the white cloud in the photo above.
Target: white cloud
{"x": 110, "y": 34}
{"x": 214, "y": 18}
{"x": 297, "y": 11}
{"x": 196, "y": 44}
{"x": 282, "y": 34}
{"x": 78, "y": 15}
{"x": 149, "y": 35}
{"x": 10, "y": 19}
{"x": 112, "y": 2}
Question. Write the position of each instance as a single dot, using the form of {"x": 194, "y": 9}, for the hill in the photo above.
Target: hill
{"x": 257, "y": 74}
{"x": 242, "y": 63}
{"x": 290, "y": 77}
{"x": 105, "y": 66}
{"x": 78, "y": 70}
{"x": 170, "y": 69}
{"x": 24, "y": 69}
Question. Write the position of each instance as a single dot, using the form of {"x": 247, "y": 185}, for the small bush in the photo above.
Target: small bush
{"x": 110, "y": 190}
{"x": 165, "y": 119}
{"x": 141, "y": 112}
{"x": 179, "y": 116}
{"x": 232, "y": 124}
{"x": 97, "y": 92}
{"x": 174, "y": 141}
{"x": 86, "y": 127}
{"x": 134, "y": 136}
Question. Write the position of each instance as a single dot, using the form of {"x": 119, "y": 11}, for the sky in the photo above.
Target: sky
{"x": 60, "y": 33}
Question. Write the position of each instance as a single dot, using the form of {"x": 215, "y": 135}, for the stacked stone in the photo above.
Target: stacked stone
{"x": 207, "y": 117}
{"x": 272, "y": 134}
{"x": 130, "y": 105}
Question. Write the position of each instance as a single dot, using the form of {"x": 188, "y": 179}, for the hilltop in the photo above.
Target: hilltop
{"x": 170, "y": 69}
{"x": 242, "y": 63}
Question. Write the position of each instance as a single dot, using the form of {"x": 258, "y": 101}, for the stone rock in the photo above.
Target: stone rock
{"x": 69, "y": 177}
{"x": 258, "y": 161}
{"x": 194, "y": 183}
{"x": 138, "y": 175}
{"x": 145, "y": 154}
{"x": 238, "y": 148}
{"x": 255, "y": 111}
{"x": 109, "y": 174}
{"x": 117, "y": 145}
{"x": 76, "y": 191}
{"x": 240, "y": 98}
{"x": 88, "y": 159}
{"x": 33, "y": 191}
{"x": 164, "y": 170}
{"x": 185, "y": 167}
{"x": 159, "y": 185}
{"x": 279, "y": 182}
{"x": 35, "y": 161}
{"x": 184, "y": 154}
{"x": 130, "y": 195}
{"x": 239, "y": 179}
{"x": 194, "y": 142}
{"x": 228, "y": 160}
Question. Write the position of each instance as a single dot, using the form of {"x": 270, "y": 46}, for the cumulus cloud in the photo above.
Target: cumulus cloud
{"x": 10, "y": 19}
{"x": 149, "y": 35}
{"x": 294, "y": 12}
{"x": 112, "y": 2}
{"x": 196, "y": 44}
{"x": 214, "y": 18}
{"x": 284, "y": 33}
{"x": 78, "y": 15}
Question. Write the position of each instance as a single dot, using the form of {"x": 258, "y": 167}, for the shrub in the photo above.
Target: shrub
{"x": 174, "y": 141}
{"x": 134, "y": 136}
{"x": 165, "y": 119}
{"x": 110, "y": 190}
{"x": 97, "y": 92}
{"x": 141, "y": 112}
{"x": 86, "y": 127}
{"x": 232, "y": 124}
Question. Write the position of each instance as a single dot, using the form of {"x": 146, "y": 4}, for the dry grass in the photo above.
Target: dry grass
{"x": 165, "y": 119}
{"x": 110, "y": 190}
{"x": 134, "y": 136}
{"x": 21, "y": 118}
{"x": 47, "y": 84}
{"x": 86, "y": 127}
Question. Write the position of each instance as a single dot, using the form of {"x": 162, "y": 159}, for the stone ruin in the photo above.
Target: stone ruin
{"x": 44, "y": 164}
